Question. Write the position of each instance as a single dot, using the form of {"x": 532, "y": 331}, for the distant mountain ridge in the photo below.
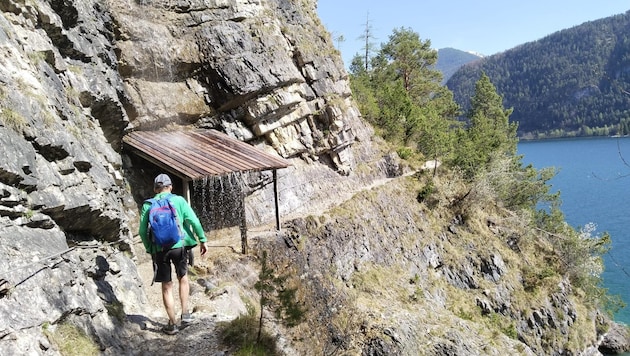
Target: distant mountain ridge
{"x": 451, "y": 59}
{"x": 574, "y": 82}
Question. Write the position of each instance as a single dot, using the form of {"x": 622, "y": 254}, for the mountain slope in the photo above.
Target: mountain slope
{"x": 420, "y": 281}
{"x": 451, "y": 59}
{"x": 572, "y": 82}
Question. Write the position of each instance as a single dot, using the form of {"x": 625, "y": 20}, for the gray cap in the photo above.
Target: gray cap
{"x": 162, "y": 180}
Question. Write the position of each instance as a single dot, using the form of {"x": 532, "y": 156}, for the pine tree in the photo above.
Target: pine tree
{"x": 489, "y": 134}
{"x": 401, "y": 94}
{"x": 412, "y": 60}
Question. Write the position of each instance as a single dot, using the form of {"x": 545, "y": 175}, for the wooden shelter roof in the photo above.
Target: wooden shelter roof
{"x": 196, "y": 154}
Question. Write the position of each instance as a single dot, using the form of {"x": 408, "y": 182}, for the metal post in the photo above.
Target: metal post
{"x": 243, "y": 225}
{"x": 275, "y": 194}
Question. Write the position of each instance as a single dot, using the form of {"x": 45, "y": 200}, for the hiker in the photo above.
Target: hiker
{"x": 178, "y": 253}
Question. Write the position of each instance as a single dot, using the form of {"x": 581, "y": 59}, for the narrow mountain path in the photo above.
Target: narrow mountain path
{"x": 333, "y": 200}
{"x": 219, "y": 283}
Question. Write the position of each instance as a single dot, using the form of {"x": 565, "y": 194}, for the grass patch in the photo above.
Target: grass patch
{"x": 48, "y": 118}
{"x": 241, "y": 335}
{"x": 75, "y": 69}
{"x": 71, "y": 340}
{"x": 371, "y": 280}
{"x": 376, "y": 283}
{"x": 13, "y": 119}
{"x": 503, "y": 324}
{"x": 37, "y": 56}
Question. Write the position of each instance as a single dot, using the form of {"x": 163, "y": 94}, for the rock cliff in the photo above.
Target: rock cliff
{"x": 77, "y": 75}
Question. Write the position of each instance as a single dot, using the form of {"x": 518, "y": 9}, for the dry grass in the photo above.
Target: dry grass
{"x": 72, "y": 341}
{"x": 13, "y": 119}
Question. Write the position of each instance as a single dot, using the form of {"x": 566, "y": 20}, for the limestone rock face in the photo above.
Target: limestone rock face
{"x": 616, "y": 340}
{"x": 260, "y": 71}
{"x": 63, "y": 226}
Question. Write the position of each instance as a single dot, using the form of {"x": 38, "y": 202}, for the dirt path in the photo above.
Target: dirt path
{"x": 217, "y": 283}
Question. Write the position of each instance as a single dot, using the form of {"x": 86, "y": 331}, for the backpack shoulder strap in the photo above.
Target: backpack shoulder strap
{"x": 168, "y": 200}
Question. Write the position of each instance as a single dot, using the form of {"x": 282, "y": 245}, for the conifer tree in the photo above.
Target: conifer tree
{"x": 362, "y": 89}
{"x": 367, "y": 36}
{"x": 412, "y": 61}
{"x": 489, "y": 134}
{"x": 489, "y": 120}
{"x": 402, "y": 95}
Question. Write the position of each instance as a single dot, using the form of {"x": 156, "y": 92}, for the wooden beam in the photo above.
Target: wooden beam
{"x": 186, "y": 190}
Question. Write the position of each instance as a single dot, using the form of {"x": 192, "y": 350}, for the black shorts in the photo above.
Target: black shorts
{"x": 162, "y": 260}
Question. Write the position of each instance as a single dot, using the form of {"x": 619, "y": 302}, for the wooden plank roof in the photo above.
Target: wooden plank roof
{"x": 197, "y": 154}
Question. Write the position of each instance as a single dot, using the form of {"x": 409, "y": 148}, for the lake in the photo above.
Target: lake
{"x": 594, "y": 185}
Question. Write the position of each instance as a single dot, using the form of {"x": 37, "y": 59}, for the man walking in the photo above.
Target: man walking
{"x": 175, "y": 255}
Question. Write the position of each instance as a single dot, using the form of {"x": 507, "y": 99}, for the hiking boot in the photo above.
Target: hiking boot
{"x": 170, "y": 329}
{"x": 187, "y": 319}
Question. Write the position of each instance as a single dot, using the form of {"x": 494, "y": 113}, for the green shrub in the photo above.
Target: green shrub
{"x": 277, "y": 296}
{"x": 425, "y": 192}
{"x": 504, "y": 324}
{"x": 405, "y": 152}
{"x": 533, "y": 278}
{"x": 116, "y": 309}
{"x": 510, "y": 331}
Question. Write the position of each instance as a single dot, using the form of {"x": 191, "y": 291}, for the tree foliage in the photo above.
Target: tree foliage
{"x": 401, "y": 95}
{"x": 489, "y": 134}
{"x": 411, "y": 60}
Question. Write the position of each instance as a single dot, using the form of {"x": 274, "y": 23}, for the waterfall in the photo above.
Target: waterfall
{"x": 218, "y": 200}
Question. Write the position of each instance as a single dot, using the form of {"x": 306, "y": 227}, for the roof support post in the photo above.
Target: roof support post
{"x": 275, "y": 194}
{"x": 243, "y": 226}
{"x": 186, "y": 189}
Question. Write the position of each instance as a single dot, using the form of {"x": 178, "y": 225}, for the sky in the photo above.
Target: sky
{"x": 483, "y": 26}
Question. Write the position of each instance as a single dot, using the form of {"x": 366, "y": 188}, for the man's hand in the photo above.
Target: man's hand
{"x": 203, "y": 248}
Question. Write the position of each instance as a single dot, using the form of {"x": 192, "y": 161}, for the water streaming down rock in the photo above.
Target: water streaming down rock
{"x": 218, "y": 200}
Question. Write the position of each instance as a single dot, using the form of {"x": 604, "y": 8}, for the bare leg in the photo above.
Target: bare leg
{"x": 169, "y": 302}
{"x": 184, "y": 290}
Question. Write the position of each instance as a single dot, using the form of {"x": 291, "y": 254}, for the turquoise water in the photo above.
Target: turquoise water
{"x": 594, "y": 185}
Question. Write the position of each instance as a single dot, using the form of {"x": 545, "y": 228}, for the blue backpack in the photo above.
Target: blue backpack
{"x": 163, "y": 223}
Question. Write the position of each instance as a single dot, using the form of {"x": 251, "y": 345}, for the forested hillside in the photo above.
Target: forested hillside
{"x": 575, "y": 82}
{"x": 451, "y": 59}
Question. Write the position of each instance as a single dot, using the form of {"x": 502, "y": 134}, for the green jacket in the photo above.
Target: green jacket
{"x": 188, "y": 220}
